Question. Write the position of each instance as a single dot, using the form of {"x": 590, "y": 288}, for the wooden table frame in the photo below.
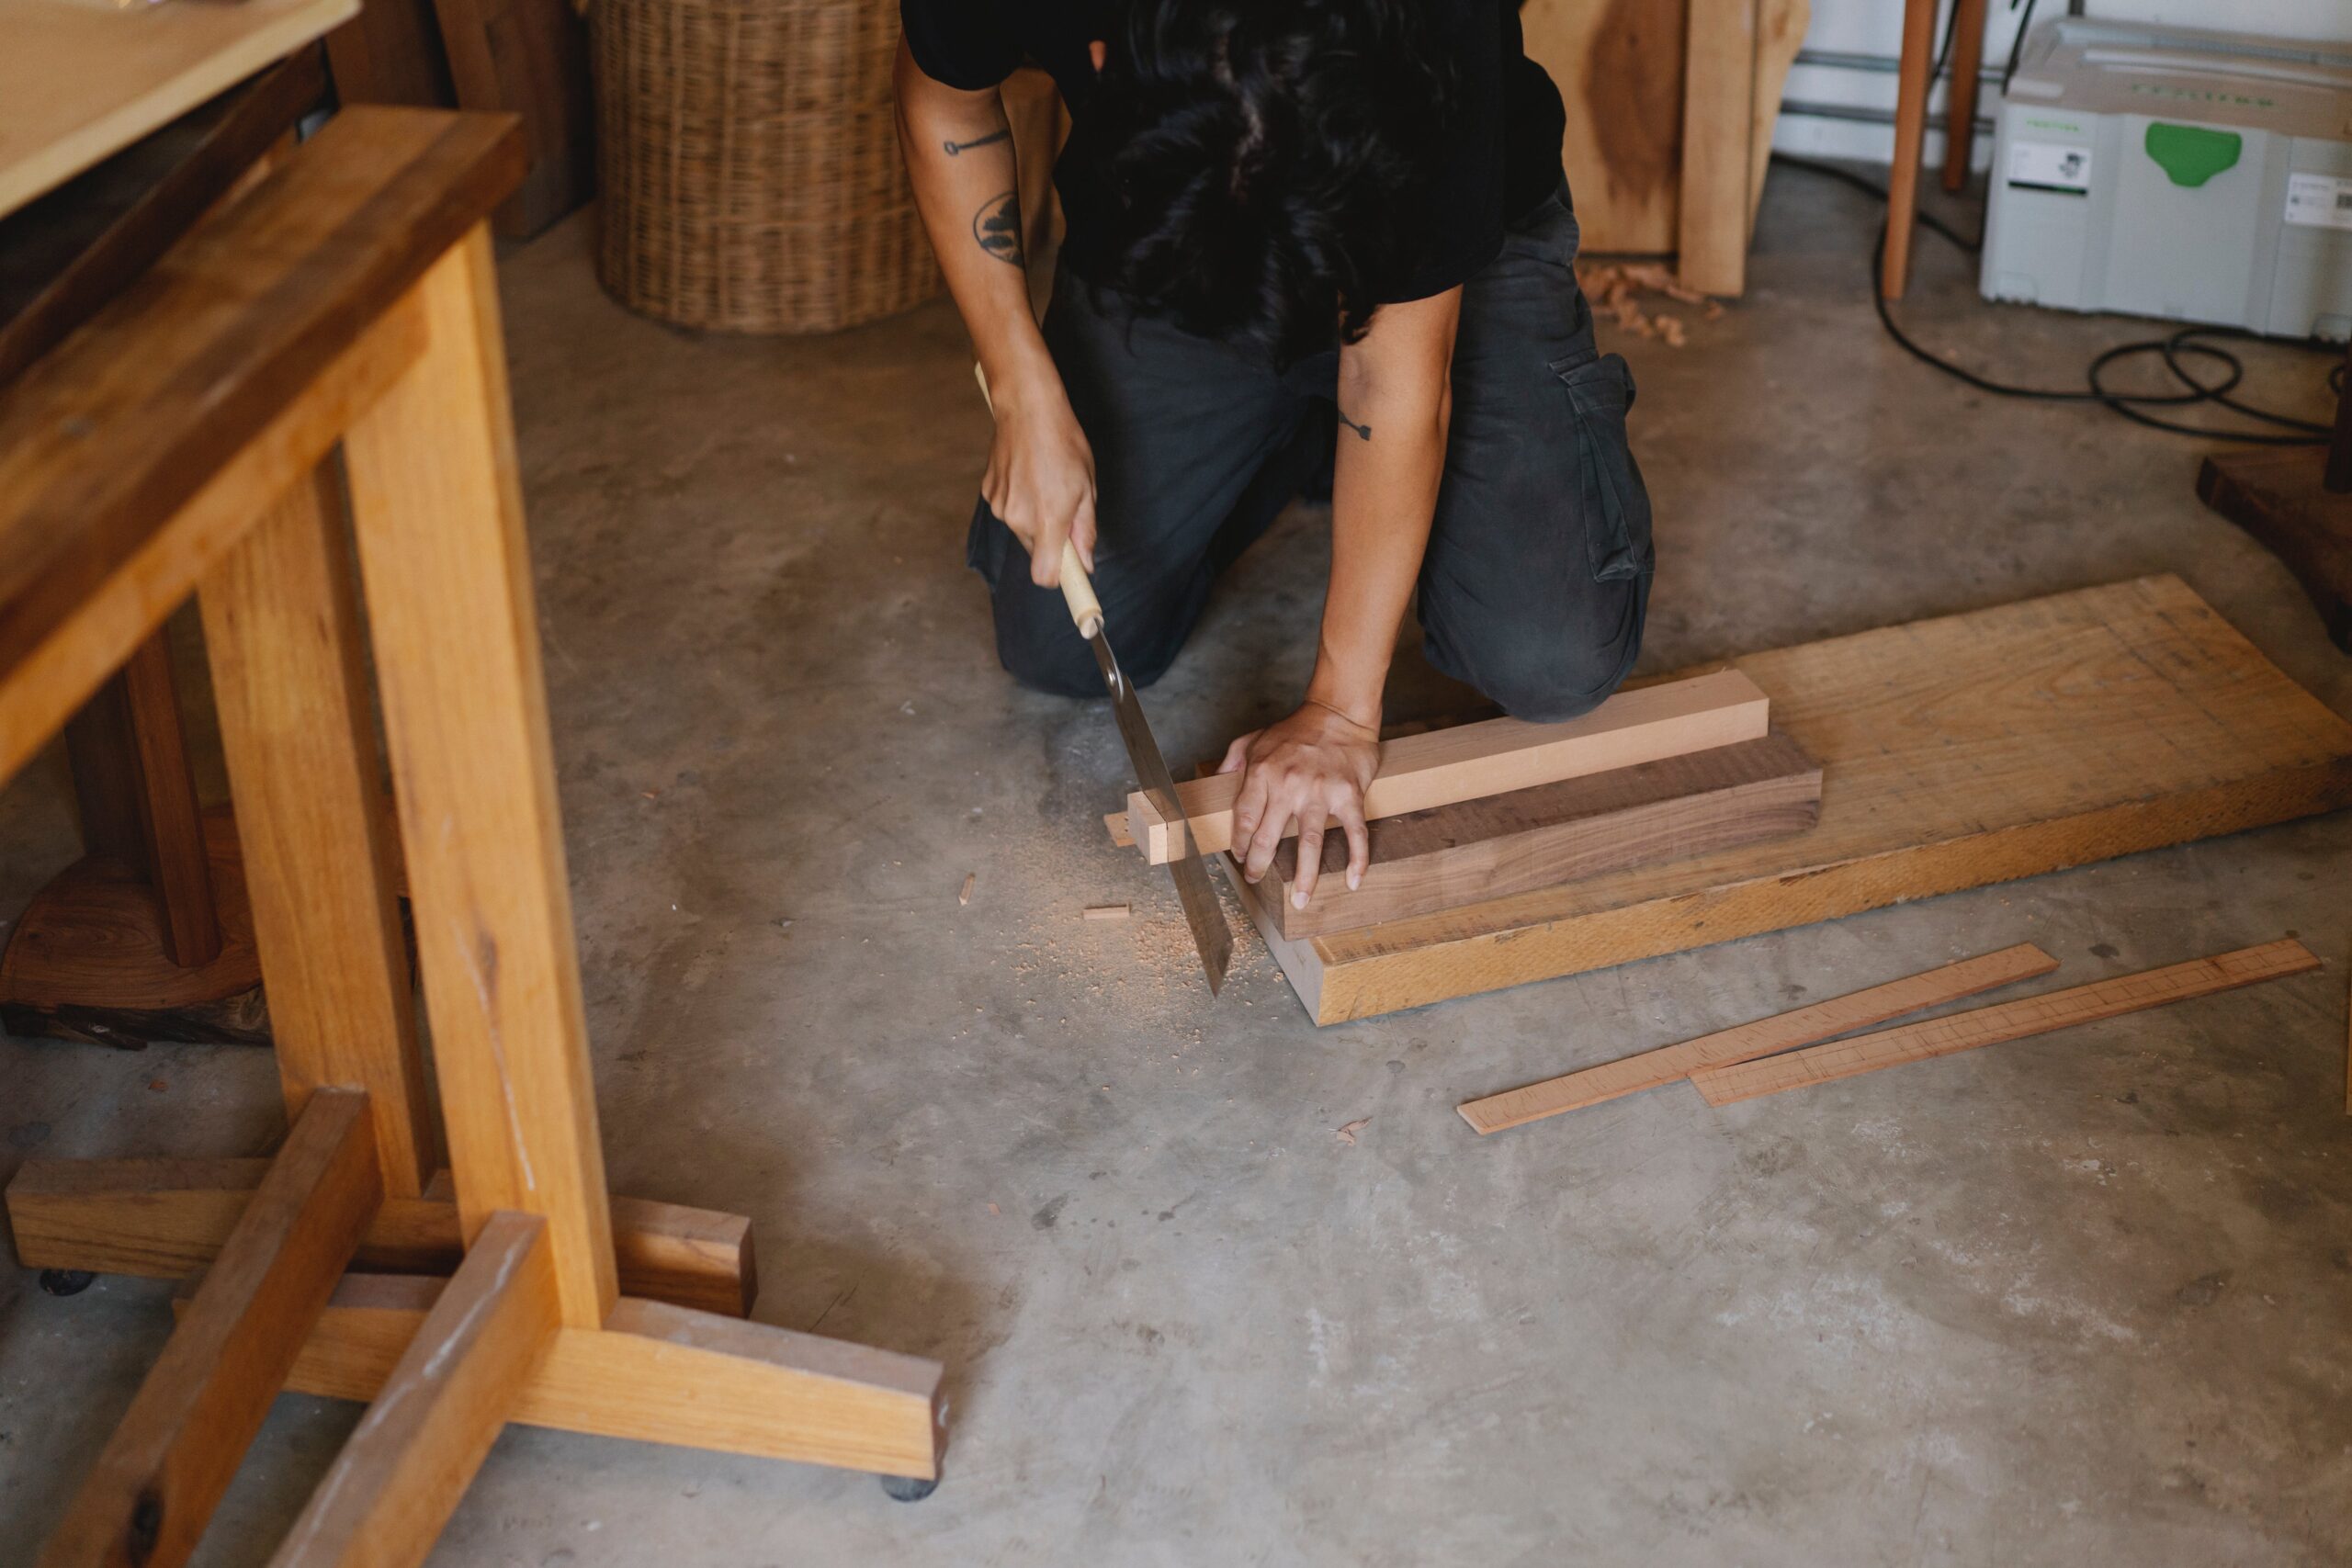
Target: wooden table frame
{"x": 175, "y": 446}
{"x": 1915, "y": 80}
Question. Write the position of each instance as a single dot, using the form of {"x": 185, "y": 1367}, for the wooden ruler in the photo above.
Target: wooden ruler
{"x": 1782, "y": 1032}
{"x": 2008, "y": 1021}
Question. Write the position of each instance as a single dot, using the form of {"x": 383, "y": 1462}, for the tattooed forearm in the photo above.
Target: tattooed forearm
{"x": 990, "y": 140}
{"x": 997, "y": 227}
{"x": 1363, "y": 432}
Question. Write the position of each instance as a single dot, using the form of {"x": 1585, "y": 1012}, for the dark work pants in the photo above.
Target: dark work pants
{"x": 1538, "y": 571}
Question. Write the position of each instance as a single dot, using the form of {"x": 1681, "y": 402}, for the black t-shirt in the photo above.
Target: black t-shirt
{"x": 1503, "y": 147}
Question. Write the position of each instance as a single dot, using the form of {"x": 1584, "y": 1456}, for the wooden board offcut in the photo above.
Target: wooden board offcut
{"x": 1472, "y": 850}
{"x": 1955, "y": 752}
{"x": 2008, "y": 1021}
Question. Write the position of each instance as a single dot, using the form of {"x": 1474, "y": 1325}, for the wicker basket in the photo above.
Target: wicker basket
{"x": 750, "y": 165}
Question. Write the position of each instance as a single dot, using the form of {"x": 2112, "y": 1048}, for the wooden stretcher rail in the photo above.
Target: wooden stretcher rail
{"x": 167, "y": 1218}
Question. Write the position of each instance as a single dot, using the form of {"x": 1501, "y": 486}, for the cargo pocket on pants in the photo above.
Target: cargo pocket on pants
{"x": 1615, "y": 506}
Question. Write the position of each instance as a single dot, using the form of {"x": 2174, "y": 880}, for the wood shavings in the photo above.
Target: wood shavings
{"x": 965, "y": 897}
{"x": 1106, "y": 911}
{"x": 1616, "y": 290}
{"x": 1346, "y": 1135}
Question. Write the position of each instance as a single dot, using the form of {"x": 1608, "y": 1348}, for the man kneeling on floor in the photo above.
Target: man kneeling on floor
{"x": 1308, "y": 241}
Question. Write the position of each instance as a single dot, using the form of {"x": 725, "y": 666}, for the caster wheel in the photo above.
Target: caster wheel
{"x": 907, "y": 1489}
{"x": 66, "y": 1281}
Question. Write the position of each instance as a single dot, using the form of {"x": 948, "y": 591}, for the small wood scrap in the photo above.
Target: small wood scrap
{"x": 1106, "y": 911}
{"x": 1346, "y": 1135}
{"x": 1762, "y": 1037}
{"x": 1617, "y": 290}
{"x": 965, "y": 896}
{"x": 2008, "y": 1021}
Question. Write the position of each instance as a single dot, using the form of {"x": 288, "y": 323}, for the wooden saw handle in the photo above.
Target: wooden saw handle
{"x": 1078, "y": 589}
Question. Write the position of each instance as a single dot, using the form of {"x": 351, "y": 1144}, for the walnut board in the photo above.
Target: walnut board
{"x": 1955, "y": 752}
{"x": 1473, "y": 850}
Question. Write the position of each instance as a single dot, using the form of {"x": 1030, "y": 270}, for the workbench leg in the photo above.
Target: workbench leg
{"x": 1960, "y": 119}
{"x": 1718, "y": 128}
{"x": 281, "y": 625}
{"x": 437, "y": 509}
{"x": 1910, "y": 137}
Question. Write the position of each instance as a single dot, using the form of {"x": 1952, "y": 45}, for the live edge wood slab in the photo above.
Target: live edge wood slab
{"x": 1475, "y": 850}
{"x": 1958, "y": 751}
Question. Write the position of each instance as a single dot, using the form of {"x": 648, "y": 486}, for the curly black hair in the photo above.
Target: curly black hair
{"x": 1251, "y": 157}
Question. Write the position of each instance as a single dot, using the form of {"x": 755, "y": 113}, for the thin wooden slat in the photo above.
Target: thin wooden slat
{"x": 1442, "y": 766}
{"x": 1718, "y": 117}
{"x": 662, "y": 1375}
{"x": 166, "y": 1219}
{"x": 2008, "y": 1020}
{"x": 1761, "y": 1037}
{"x": 408, "y": 1463}
{"x": 437, "y": 509}
{"x": 1958, "y": 751}
{"x": 147, "y": 1499}
{"x": 1473, "y": 850}
{"x": 289, "y": 676}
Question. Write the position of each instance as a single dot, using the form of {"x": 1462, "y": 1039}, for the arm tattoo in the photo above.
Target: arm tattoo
{"x": 990, "y": 140}
{"x": 1363, "y": 432}
{"x": 997, "y": 227}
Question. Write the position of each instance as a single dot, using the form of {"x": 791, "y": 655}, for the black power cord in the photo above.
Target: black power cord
{"x": 2173, "y": 350}
{"x": 2187, "y": 343}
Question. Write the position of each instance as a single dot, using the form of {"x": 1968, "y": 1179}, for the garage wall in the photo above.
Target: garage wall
{"x": 1840, "y": 98}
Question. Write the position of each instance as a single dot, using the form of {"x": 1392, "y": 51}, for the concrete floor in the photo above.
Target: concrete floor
{"x": 2081, "y": 1300}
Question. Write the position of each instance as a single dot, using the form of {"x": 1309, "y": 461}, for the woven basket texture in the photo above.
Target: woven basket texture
{"x": 750, "y": 166}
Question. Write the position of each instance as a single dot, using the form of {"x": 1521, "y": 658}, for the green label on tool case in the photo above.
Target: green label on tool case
{"x": 2191, "y": 154}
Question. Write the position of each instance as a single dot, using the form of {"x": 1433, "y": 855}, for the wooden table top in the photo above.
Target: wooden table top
{"x": 81, "y": 79}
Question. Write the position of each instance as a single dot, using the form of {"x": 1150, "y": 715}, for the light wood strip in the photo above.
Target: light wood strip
{"x": 166, "y": 1219}
{"x": 298, "y": 728}
{"x": 2008, "y": 1021}
{"x": 146, "y": 1500}
{"x": 664, "y": 1374}
{"x": 1442, "y": 766}
{"x": 408, "y": 1463}
{"x": 1762, "y": 1037}
{"x": 437, "y": 509}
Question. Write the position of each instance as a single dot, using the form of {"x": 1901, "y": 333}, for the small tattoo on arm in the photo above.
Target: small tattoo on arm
{"x": 1363, "y": 432}
{"x": 956, "y": 148}
{"x": 997, "y": 227}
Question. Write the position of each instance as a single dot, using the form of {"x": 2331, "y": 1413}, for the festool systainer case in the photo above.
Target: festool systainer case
{"x": 2168, "y": 172}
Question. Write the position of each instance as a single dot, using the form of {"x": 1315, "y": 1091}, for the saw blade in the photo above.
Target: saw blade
{"x": 1202, "y": 910}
